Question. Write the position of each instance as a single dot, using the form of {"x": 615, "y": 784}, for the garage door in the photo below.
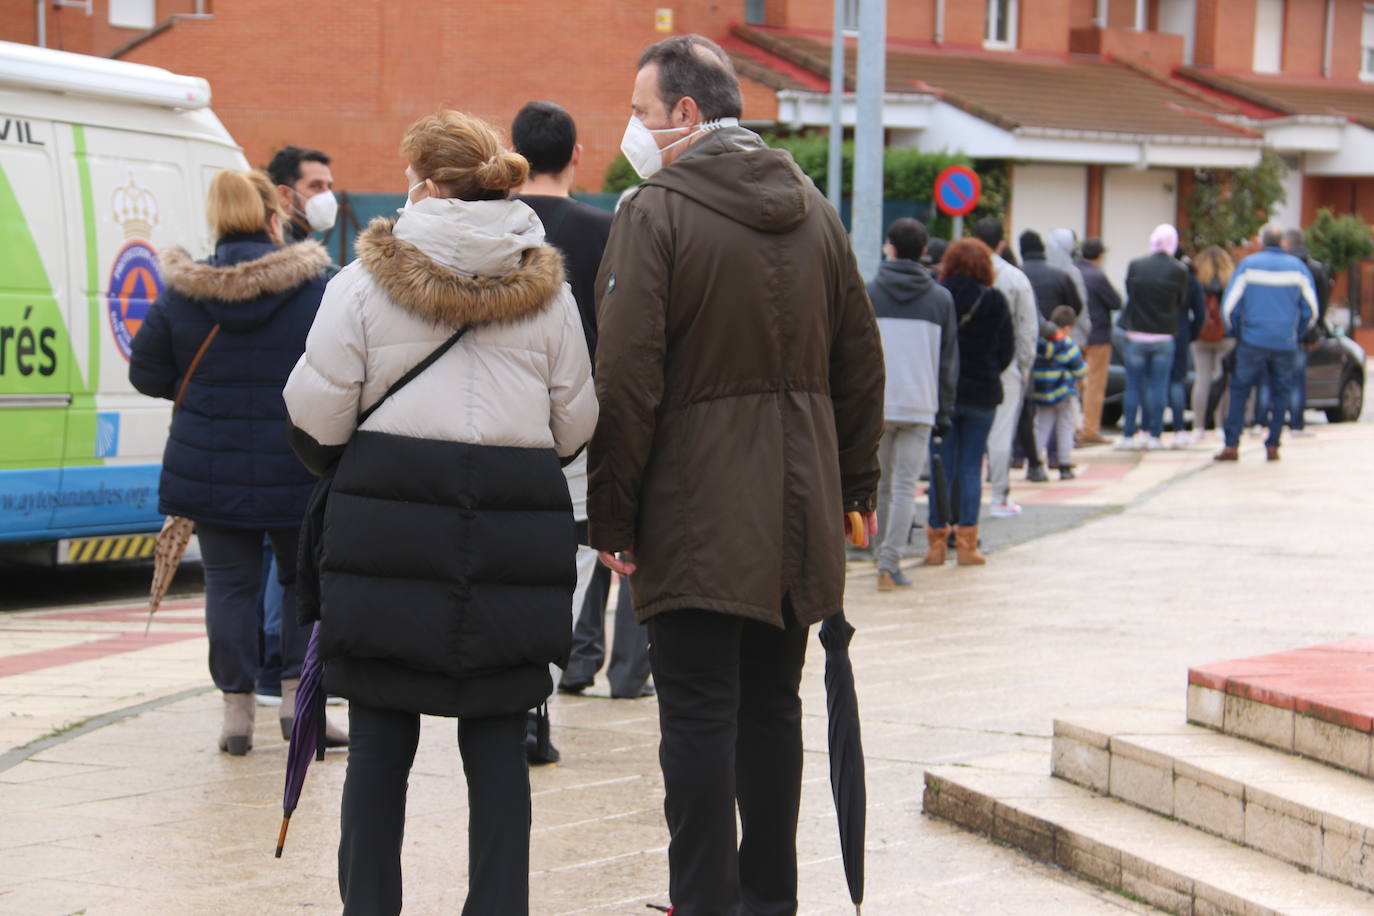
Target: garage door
{"x": 1134, "y": 202}
{"x": 1047, "y": 197}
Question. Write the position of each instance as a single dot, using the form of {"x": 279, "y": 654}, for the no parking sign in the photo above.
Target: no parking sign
{"x": 957, "y": 190}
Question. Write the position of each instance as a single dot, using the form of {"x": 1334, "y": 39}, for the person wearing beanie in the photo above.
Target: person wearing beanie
{"x": 1155, "y": 288}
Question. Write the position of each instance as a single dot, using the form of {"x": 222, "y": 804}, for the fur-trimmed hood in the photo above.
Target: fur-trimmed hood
{"x": 455, "y": 272}
{"x": 247, "y": 279}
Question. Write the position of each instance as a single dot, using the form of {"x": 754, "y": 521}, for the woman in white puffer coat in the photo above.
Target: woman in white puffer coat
{"x": 446, "y": 565}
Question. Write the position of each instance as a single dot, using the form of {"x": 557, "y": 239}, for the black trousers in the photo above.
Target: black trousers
{"x": 730, "y": 724}
{"x": 381, "y": 750}
{"x": 233, "y": 563}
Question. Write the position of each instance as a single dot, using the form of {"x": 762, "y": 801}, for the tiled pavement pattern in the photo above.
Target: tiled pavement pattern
{"x": 1199, "y": 563}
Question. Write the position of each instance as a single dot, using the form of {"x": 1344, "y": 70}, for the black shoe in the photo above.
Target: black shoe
{"x": 1037, "y": 474}
{"x": 646, "y": 691}
{"x": 574, "y": 689}
{"x": 1066, "y": 472}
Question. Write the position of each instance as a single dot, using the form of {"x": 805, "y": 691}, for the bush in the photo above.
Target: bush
{"x": 1339, "y": 240}
{"x": 908, "y": 174}
{"x": 619, "y": 175}
{"x": 1227, "y": 207}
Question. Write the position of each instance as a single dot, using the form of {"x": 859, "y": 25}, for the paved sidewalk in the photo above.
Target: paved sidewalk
{"x": 1171, "y": 562}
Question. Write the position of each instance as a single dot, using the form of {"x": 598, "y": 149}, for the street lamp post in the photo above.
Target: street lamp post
{"x": 867, "y": 223}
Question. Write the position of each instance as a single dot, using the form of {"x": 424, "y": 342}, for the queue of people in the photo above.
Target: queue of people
{"x": 509, "y": 402}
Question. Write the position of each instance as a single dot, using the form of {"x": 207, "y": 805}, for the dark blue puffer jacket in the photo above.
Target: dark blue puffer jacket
{"x": 227, "y": 461}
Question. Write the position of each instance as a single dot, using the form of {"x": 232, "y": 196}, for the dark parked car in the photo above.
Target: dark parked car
{"x": 1335, "y": 379}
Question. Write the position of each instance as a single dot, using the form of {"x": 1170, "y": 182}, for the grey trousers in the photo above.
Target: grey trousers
{"x": 1058, "y": 421}
{"x": 629, "y": 668}
{"x": 902, "y": 456}
{"x": 1207, "y": 359}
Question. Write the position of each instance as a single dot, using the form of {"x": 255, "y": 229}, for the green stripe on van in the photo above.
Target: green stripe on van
{"x": 83, "y": 172}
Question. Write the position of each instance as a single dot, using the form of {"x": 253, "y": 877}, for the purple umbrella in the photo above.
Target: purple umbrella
{"x": 307, "y": 732}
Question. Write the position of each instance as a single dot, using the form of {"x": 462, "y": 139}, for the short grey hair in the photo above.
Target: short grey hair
{"x": 694, "y": 66}
{"x": 1293, "y": 238}
{"x": 1271, "y": 236}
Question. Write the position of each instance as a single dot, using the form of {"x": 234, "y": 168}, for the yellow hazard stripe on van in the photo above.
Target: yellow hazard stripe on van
{"x": 107, "y": 549}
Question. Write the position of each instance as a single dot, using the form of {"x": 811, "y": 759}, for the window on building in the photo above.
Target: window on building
{"x": 1179, "y": 17}
{"x": 1367, "y": 44}
{"x": 1001, "y": 31}
{"x": 754, "y": 12}
{"x": 1268, "y": 36}
{"x": 133, "y": 14}
{"x": 851, "y": 15}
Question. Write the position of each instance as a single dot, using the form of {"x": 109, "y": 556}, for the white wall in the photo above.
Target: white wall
{"x": 1134, "y": 202}
{"x": 1289, "y": 213}
{"x": 1046, "y": 198}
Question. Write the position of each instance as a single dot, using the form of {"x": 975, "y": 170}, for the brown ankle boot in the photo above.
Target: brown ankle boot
{"x": 236, "y": 735}
{"x": 936, "y": 546}
{"x": 966, "y": 546}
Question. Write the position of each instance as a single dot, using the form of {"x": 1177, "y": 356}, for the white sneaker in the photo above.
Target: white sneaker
{"x": 1181, "y": 440}
{"x": 1006, "y": 509}
{"x": 266, "y": 699}
{"x": 1127, "y": 444}
{"x": 1303, "y": 433}
{"x": 1153, "y": 444}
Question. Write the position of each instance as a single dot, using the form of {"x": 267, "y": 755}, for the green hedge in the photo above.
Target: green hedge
{"x": 908, "y": 174}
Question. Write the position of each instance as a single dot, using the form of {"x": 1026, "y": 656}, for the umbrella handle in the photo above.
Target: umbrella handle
{"x": 281, "y": 835}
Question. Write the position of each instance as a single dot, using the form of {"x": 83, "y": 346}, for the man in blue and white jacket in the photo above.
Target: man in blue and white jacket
{"x": 1268, "y": 306}
{"x": 916, "y": 322}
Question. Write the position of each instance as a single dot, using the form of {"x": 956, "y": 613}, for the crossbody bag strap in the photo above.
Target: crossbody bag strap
{"x": 968, "y": 316}
{"x": 191, "y": 369}
{"x": 415, "y": 371}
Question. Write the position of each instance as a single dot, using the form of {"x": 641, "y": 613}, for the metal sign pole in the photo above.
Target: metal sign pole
{"x": 867, "y": 224}
{"x": 835, "y": 162}
{"x": 958, "y": 232}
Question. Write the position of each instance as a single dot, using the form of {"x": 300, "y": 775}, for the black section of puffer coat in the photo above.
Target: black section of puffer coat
{"x": 447, "y": 572}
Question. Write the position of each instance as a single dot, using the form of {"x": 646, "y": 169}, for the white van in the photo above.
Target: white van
{"x": 102, "y": 165}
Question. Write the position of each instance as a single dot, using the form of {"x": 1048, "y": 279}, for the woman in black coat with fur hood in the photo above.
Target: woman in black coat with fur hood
{"x": 246, "y": 310}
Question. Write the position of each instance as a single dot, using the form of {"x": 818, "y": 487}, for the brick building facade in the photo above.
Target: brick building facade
{"x": 1103, "y": 106}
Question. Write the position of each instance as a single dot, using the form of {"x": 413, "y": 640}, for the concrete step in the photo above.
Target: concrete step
{"x": 1127, "y": 849}
{"x": 1317, "y": 701}
{"x": 1299, "y": 811}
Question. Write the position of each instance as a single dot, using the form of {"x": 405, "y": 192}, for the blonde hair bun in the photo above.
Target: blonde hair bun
{"x": 463, "y": 156}
{"x": 503, "y": 171}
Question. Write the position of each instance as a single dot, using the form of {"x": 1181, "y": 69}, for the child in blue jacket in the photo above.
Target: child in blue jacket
{"x": 1058, "y": 366}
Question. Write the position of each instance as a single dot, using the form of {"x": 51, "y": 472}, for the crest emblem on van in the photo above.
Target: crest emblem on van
{"x": 135, "y": 280}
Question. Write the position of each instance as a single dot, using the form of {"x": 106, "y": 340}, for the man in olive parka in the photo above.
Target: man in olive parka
{"x": 740, "y": 377}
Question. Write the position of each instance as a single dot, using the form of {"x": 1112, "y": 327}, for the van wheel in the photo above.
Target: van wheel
{"x": 1352, "y": 401}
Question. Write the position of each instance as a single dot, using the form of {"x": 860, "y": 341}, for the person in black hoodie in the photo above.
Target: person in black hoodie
{"x": 920, "y": 350}
{"x": 1053, "y": 287}
{"x": 221, "y": 340}
{"x": 986, "y": 347}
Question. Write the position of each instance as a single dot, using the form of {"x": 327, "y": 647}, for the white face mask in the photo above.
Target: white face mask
{"x": 409, "y": 191}
{"x": 320, "y": 210}
{"x": 644, "y": 153}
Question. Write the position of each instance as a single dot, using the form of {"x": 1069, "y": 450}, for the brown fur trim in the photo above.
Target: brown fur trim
{"x": 429, "y": 291}
{"x": 275, "y": 272}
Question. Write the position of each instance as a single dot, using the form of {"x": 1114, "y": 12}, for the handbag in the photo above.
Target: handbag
{"x": 176, "y": 531}
{"x": 311, "y": 549}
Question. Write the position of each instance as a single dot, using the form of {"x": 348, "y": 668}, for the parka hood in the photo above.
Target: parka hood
{"x": 734, "y": 173}
{"x": 463, "y": 262}
{"x": 247, "y": 278}
{"x": 905, "y": 281}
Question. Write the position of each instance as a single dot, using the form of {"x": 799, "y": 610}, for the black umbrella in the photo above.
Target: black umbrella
{"x": 846, "y": 751}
